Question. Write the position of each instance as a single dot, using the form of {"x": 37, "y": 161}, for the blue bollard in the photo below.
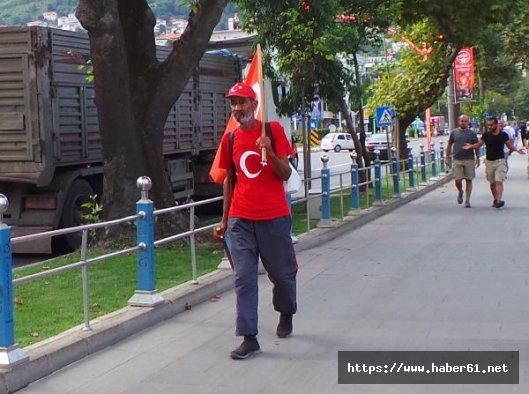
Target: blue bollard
{"x": 442, "y": 157}
{"x": 423, "y": 163}
{"x": 434, "y": 162}
{"x": 355, "y": 187}
{"x": 325, "y": 218}
{"x": 146, "y": 294}
{"x": 411, "y": 171}
{"x": 378, "y": 179}
{"x": 396, "y": 178}
{"x": 10, "y": 353}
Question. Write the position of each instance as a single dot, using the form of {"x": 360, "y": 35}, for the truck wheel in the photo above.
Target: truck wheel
{"x": 72, "y": 214}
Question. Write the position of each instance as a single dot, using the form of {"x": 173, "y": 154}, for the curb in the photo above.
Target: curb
{"x": 74, "y": 344}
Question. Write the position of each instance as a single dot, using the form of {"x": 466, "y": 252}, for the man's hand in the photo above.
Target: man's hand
{"x": 266, "y": 143}
{"x": 218, "y": 231}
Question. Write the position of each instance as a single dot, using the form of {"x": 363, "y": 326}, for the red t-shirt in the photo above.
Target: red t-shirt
{"x": 259, "y": 194}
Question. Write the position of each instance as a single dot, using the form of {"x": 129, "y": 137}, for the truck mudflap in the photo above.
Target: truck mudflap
{"x": 42, "y": 245}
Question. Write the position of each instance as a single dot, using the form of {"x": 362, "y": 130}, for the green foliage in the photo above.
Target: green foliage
{"x": 86, "y": 66}
{"x": 412, "y": 84}
{"x": 516, "y": 35}
{"x": 460, "y": 22}
{"x": 297, "y": 34}
{"x": 476, "y": 110}
{"x": 521, "y": 100}
{"x": 91, "y": 213}
{"x": 92, "y": 210}
{"x": 496, "y": 63}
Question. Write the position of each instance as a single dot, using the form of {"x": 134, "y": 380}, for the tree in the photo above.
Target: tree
{"x": 413, "y": 84}
{"x": 134, "y": 91}
{"x": 305, "y": 39}
{"x": 360, "y": 27}
{"x": 521, "y": 101}
{"x": 424, "y": 20}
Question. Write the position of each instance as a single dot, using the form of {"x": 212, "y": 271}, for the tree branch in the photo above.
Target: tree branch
{"x": 188, "y": 49}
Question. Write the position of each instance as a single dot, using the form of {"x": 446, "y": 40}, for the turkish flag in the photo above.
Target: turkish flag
{"x": 254, "y": 78}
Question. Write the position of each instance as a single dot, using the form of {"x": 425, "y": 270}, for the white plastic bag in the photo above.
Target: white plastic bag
{"x": 294, "y": 182}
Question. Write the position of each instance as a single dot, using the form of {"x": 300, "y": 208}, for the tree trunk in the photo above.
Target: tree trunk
{"x": 361, "y": 110}
{"x": 344, "y": 109}
{"x": 358, "y": 147}
{"x": 134, "y": 91}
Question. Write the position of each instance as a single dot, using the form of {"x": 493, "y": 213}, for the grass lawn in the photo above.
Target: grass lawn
{"x": 50, "y": 305}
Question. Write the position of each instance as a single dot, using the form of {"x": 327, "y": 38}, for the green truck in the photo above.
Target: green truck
{"x": 50, "y": 148}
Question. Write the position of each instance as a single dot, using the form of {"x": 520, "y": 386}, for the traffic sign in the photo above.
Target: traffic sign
{"x": 384, "y": 116}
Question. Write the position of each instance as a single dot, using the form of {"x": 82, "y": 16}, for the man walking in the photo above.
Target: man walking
{"x": 465, "y": 161}
{"x": 495, "y": 162}
{"x": 256, "y": 217}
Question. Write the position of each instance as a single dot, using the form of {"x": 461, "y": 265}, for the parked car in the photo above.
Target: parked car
{"x": 380, "y": 142}
{"x": 337, "y": 142}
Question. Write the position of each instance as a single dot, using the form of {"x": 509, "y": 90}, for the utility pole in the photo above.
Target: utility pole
{"x": 452, "y": 110}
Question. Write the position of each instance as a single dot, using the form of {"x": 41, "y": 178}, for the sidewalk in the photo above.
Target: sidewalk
{"x": 431, "y": 275}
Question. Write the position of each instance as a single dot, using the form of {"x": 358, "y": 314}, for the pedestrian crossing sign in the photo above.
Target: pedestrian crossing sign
{"x": 384, "y": 116}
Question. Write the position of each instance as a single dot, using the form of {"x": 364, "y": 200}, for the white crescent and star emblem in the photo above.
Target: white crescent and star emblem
{"x": 244, "y": 168}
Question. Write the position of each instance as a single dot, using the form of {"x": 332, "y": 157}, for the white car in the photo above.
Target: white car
{"x": 337, "y": 142}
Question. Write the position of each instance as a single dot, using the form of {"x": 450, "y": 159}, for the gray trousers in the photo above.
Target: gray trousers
{"x": 269, "y": 239}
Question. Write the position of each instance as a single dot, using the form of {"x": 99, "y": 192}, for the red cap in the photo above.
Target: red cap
{"x": 240, "y": 89}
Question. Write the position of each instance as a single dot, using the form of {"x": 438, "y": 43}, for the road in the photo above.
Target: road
{"x": 341, "y": 161}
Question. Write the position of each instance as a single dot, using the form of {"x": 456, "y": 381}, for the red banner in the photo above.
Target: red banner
{"x": 464, "y": 76}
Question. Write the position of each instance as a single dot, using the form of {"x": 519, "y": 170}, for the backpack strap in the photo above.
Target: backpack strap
{"x": 269, "y": 134}
{"x": 231, "y": 139}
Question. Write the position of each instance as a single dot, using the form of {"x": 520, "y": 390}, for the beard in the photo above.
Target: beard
{"x": 243, "y": 116}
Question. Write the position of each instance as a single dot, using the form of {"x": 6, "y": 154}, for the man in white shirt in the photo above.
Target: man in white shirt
{"x": 506, "y": 128}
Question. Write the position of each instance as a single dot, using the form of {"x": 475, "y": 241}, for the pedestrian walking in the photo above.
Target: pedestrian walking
{"x": 507, "y": 129}
{"x": 256, "y": 217}
{"x": 523, "y": 133}
{"x": 465, "y": 161}
{"x": 495, "y": 162}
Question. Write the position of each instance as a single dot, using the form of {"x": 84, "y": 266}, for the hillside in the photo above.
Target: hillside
{"x": 19, "y": 12}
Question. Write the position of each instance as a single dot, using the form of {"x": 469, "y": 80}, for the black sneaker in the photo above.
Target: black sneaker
{"x": 467, "y": 204}
{"x": 248, "y": 348}
{"x": 500, "y": 204}
{"x": 460, "y": 197}
{"x": 494, "y": 202}
{"x": 284, "y": 328}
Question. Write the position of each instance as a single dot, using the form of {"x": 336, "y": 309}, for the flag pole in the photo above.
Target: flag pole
{"x": 262, "y": 99}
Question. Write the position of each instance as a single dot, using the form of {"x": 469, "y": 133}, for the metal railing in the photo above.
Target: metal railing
{"x": 146, "y": 294}
{"x": 394, "y": 176}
